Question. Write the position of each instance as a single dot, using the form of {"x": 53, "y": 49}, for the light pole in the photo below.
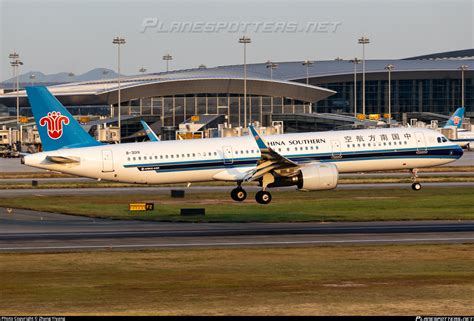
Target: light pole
{"x": 16, "y": 67}
{"x": 32, "y": 79}
{"x": 271, "y": 65}
{"x": 363, "y": 41}
{"x": 167, "y": 58}
{"x": 13, "y": 56}
{"x": 355, "y": 61}
{"x": 119, "y": 41}
{"x": 142, "y": 70}
{"x": 462, "y": 68}
{"x": 245, "y": 40}
{"x": 307, "y": 64}
{"x": 389, "y": 68}
{"x": 71, "y": 75}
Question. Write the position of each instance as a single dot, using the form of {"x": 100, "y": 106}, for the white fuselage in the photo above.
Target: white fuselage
{"x": 230, "y": 159}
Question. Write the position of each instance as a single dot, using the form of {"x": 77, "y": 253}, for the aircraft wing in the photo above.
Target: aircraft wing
{"x": 270, "y": 159}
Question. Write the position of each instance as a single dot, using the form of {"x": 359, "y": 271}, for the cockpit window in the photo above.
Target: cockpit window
{"x": 442, "y": 139}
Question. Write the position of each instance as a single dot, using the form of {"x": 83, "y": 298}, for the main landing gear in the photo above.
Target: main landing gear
{"x": 262, "y": 197}
{"x": 414, "y": 177}
{"x": 238, "y": 194}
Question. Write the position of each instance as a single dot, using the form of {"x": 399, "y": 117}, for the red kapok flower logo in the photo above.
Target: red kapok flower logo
{"x": 54, "y": 123}
{"x": 456, "y": 120}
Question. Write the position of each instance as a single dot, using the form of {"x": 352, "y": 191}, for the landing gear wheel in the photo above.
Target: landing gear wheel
{"x": 416, "y": 186}
{"x": 263, "y": 197}
{"x": 238, "y": 194}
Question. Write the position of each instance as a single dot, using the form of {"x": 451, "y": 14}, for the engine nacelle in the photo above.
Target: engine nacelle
{"x": 312, "y": 177}
{"x": 317, "y": 177}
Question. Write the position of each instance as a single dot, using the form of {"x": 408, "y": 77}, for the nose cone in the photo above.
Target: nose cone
{"x": 457, "y": 151}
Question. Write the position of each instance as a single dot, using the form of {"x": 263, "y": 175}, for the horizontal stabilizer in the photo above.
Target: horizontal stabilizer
{"x": 62, "y": 159}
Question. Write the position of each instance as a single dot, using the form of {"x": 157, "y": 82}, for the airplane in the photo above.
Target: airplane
{"x": 465, "y": 137}
{"x": 150, "y": 133}
{"x": 309, "y": 161}
{"x": 456, "y": 119}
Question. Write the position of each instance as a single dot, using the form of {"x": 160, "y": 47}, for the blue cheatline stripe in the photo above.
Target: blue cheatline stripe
{"x": 203, "y": 168}
{"x": 323, "y": 161}
{"x": 445, "y": 153}
{"x": 387, "y": 157}
{"x": 203, "y": 165}
{"x": 191, "y": 162}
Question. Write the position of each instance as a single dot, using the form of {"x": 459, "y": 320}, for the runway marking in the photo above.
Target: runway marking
{"x": 327, "y": 228}
{"x": 235, "y": 244}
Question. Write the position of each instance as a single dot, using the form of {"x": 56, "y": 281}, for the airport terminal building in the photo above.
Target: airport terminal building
{"x": 424, "y": 84}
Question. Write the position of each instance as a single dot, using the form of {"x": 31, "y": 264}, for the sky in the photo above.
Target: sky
{"x": 76, "y": 35}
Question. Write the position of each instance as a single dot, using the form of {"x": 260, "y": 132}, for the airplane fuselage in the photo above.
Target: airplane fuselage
{"x": 230, "y": 159}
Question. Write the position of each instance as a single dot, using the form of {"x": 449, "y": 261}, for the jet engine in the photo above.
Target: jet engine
{"x": 312, "y": 177}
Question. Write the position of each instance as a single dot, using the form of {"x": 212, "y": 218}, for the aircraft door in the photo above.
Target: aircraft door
{"x": 420, "y": 143}
{"x": 336, "y": 149}
{"x": 228, "y": 157}
{"x": 107, "y": 161}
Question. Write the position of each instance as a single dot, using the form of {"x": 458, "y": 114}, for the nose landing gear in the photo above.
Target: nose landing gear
{"x": 414, "y": 178}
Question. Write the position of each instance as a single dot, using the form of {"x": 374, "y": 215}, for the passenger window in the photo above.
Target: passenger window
{"x": 128, "y": 158}
{"x": 139, "y": 158}
{"x": 134, "y": 158}
{"x": 172, "y": 156}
